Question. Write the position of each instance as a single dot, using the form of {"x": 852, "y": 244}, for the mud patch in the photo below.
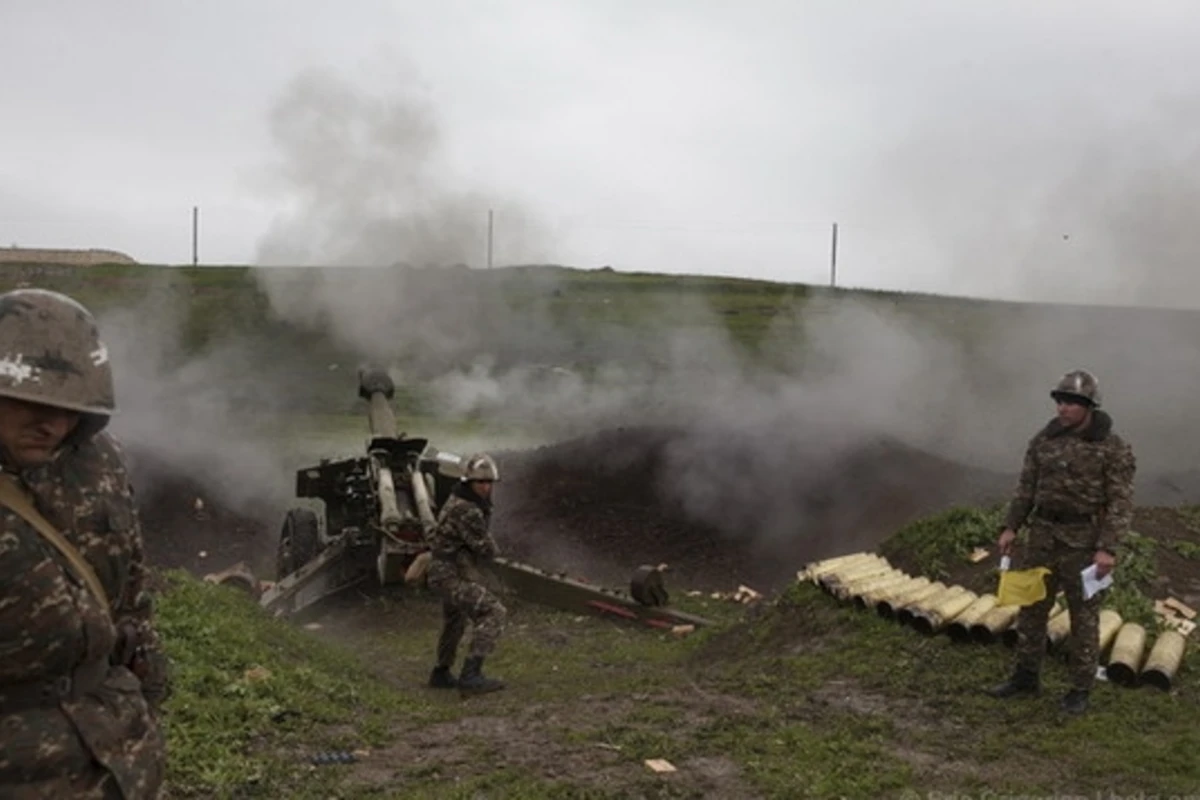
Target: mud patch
{"x": 559, "y": 742}
{"x": 846, "y": 696}
{"x": 916, "y": 723}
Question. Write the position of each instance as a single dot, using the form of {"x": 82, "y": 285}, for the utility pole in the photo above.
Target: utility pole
{"x": 833, "y": 258}
{"x": 489, "y": 243}
{"x": 195, "y": 235}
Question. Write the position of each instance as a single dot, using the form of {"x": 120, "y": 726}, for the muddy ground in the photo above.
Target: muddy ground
{"x": 601, "y": 505}
{"x": 597, "y": 507}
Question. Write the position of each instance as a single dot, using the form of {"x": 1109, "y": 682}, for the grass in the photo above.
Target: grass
{"x": 581, "y": 318}
{"x": 795, "y": 697}
{"x": 1185, "y": 548}
{"x": 1134, "y": 574}
{"x": 254, "y": 698}
{"x": 1190, "y": 515}
{"x": 931, "y": 545}
{"x": 920, "y": 696}
{"x": 938, "y": 545}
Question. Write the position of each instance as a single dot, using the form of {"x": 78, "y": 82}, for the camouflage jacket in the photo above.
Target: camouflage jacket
{"x": 461, "y": 538}
{"x": 1077, "y": 474}
{"x": 51, "y": 625}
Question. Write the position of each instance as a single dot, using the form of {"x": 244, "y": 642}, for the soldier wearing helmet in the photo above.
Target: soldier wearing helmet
{"x": 1076, "y": 495}
{"x": 458, "y": 543}
{"x": 82, "y": 673}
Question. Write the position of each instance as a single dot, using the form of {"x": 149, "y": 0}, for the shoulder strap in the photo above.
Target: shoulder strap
{"x": 12, "y": 496}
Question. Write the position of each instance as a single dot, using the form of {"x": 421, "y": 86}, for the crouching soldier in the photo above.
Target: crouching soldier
{"x": 458, "y": 543}
{"x": 82, "y": 674}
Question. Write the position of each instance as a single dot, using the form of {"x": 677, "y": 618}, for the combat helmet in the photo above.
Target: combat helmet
{"x": 51, "y": 353}
{"x": 481, "y": 467}
{"x": 1078, "y": 385}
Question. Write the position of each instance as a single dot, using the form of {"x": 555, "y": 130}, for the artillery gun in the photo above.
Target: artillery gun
{"x": 365, "y": 519}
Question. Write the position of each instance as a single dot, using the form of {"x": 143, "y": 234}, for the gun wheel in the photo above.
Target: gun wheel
{"x": 299, "y": 542}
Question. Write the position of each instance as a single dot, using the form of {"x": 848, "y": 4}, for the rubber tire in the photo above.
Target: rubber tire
{"x": 299, "y": 541}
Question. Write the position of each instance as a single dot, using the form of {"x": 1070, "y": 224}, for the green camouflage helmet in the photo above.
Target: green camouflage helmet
{"x": 1078, "y": 384}
{"x": 480, "y": 467}
{"x": 51, "y": 353}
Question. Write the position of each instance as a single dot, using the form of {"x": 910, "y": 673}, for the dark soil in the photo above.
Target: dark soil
{"x": 608, "y": 502}
{"x": 179, "y": 534}
{"x": 719, "y": 509}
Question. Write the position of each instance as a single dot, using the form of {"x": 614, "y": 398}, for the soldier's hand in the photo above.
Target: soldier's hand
{"x": 1105, "y": 562}
{"x": 1005, "y": 543}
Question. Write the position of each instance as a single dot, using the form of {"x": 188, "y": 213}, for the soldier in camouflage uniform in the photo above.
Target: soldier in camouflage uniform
{"x": 82, "y": 673}
{"x": 1076, "y": 493}
{"x": 458, "y": 542}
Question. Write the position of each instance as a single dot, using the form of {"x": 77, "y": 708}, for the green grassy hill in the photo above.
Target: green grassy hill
{"x": 797, "y": 696}
{"x": 296, "y": 324}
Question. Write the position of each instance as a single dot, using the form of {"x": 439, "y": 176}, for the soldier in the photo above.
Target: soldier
{"x": 458, "y": 542}
{"x": 1076, "y": 491}
{"x": 82, "y": 674}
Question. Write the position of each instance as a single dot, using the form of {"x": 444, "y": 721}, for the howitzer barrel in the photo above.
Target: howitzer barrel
{"x": 382, "y": 419}
{"x": 376, "y": 387}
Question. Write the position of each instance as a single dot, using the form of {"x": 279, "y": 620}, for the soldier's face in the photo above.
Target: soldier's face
{"x": 482, "y": 488}
{"x": 1072, "y": 414}
{"x": 31, "y": 432}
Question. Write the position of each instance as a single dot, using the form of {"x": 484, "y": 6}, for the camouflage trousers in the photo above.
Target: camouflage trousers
{"x": 464, "y": 601}
{"x": 104, "y": 745}
{"x": 1065, "y": 563}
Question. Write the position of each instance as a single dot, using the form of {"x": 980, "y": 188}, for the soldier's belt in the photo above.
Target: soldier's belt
{"x": 1062, "y": 517}
{"x": 50, "y": 691}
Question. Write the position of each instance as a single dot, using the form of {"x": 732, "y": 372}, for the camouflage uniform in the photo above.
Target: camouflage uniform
{"x": 1076, "y": 492}
{"x": 460, "y": 538}
{"x": 76, "y": 720}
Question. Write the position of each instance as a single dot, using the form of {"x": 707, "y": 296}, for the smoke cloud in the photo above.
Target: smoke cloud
{"x": 197, "y": 418}
{"x": 842, "y": 385}
{"x": 370, "y": 197}
{"x": 1041, "y": 197}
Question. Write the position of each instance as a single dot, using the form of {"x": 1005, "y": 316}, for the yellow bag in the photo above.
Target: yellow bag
{"x": 1022, "y": 587}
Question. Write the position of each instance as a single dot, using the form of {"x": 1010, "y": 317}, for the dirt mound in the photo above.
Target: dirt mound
{"x": 601, "y": 505}
{"x": 719, "y": 508}
{"x": 185, "y": 525}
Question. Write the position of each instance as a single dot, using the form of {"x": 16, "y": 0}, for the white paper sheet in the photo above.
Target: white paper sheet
{"x": 1092, "y": 584}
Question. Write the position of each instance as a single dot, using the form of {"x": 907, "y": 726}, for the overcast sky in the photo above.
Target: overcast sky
{"x": 1045, "y": 150}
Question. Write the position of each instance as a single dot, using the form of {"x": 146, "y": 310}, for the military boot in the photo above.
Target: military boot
{"x": 442, "y": 678}
{"x": 1075, "y": 701}
{"x": 1022, "y": 682}
{"x": 472, "y": 680}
